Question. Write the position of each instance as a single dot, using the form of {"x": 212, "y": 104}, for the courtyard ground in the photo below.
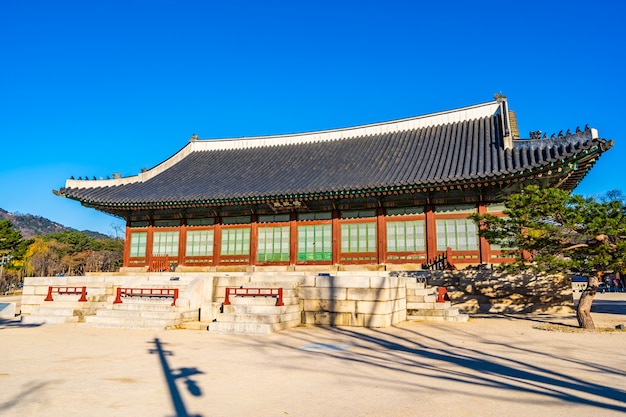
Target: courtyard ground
{"x": 489, "y": 366}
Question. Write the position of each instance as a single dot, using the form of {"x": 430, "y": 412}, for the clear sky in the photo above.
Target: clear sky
{"x": 91, "y": 88}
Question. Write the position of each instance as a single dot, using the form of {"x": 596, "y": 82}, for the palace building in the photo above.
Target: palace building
{"x": 384, "y": 195}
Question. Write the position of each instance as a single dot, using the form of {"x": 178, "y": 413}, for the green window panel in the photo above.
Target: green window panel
{"x": 235, "y": 241}
{"x": 165, "y": 243}
{"x": 406, "y": 236}
{"x": 138, "y": 244}
{"x": 199, "y": 243}
{"x": 458, "y": 234}
{"x": 273, "y": 244}
{"x": 358, "y": 237}
{"x": 315, "y": 243}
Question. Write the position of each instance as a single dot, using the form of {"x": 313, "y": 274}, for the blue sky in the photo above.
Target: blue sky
{"x": 89, "y": 88}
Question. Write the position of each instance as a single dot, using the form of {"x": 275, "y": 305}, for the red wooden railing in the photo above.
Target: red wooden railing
{"x": 146, "y": 292}
{"x": 160, "y": 264}
{"x": 442, "y": 295}
{"x": 68, "y": 290}
{"x": 255, "y": 292}
{"x": 441, "y": 262}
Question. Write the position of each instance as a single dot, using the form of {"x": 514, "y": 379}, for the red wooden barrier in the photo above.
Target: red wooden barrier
{"x": 255, "y": 292}
{"x": 160, "y": 264}
{"x": 146, "y": 292}
{"x": 442, "y": 295}
{"x": 68, "y": 290}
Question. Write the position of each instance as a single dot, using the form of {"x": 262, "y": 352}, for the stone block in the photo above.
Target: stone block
{"x": 369, "y": 294}
{"x": 329, "y": 319}
{"x": 32, "y": 299}
{"x": 377, "y": 320}
{"x": 430, "y": 298}
{"x": 398, "y": 316}
{"x": 232, "y": 281}
{"x": 374, "y": 307}
{"x": 399, "y": 304}
{"x": 419, "y": 306}
{"x": 385, "y": 282}
{"x": 308, "y": 281}
{"x": 323, "y": 293}
{"x": 342, "y": 282}
{"x": 338, "y": 306}
{"x": 28, "y": 290}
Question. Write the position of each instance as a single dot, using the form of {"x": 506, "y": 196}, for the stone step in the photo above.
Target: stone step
{"x": 433, "y": 305}
{"x": 262, "y": 301}
{"x": 291, "y": 293}
{"x": 257, "y": 318}
{"x": 249, "y": 328}
{"x": 141, "y": 300}
{"x": 36, "y": 319}
{"x": 51, "y": 311}
{"x": 449, "y": 312}
{"x": 194, "y": 325}
{"x": 166, "y": 279}
{"x": 139, "y": 305}
{"x": 421, "y": 298}
{"x": 261, "y": 283}
{"x": 130, "y": 323}
{"x": 73, "y": 304}
{"x": 166, "y": 315}
{"x": 261, "y": 309}
{"x": 459, "y": 318}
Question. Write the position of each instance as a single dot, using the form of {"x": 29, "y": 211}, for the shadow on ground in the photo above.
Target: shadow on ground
{"x": 409, "y": 351}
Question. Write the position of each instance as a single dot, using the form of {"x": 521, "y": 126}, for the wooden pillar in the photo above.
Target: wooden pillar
{"x": 126, "y": 257}
{"x": 381, "y": 236}
{"x": 431, "y": 232}
{"x": 336, "y": 237}
{"x": 182, "y": 242}
{"x": 293, "y": 238}
{"x": 483, "y": 245}
{"x": 149, "y": 244}
{"x": 254, "y": 239}
{"x": 217, "y": 241}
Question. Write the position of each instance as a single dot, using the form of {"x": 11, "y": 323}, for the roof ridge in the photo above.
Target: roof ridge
{"x": 476, "y": 111}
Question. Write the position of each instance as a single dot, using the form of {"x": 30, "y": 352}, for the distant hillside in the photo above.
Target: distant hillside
{"x": 30, "y": 225}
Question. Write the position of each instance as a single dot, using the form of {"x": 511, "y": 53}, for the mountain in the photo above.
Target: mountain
{"x": 31, "y": 226}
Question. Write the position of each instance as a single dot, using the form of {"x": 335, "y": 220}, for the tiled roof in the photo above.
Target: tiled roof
{"x": 423, "y": 155}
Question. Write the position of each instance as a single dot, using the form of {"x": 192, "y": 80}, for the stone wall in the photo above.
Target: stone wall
{"x": 353, "y": 300}
{"x": 36, "y": 289}
{"x": 490, "y": 291}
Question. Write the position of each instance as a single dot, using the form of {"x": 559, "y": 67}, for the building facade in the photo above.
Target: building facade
{"x": 387, "y": 194}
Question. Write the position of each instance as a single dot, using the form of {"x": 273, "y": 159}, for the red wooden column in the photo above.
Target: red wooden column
{"x": 381, "y": 236}
{"x": 336, "y": 238}
{"x": 182, "y": 241}
{"x": 217, "y": 241}
{"x": 293, "y": 238}
{"x": 254, "y": 239}
{"x": 483, "y": 245}
{"x": 126, "y": 258}
{"x": 431, "y": 232}
{"x": 149, "y": 243}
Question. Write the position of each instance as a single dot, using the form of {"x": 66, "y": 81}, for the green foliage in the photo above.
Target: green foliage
{"x": 10, "y": 237}
{"x": 65, "y": 252}
{"x": 551, "y": 230}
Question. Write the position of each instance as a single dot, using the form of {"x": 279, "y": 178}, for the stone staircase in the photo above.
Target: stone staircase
{"x": 145, "y": 312}
{"x": 422, "y": 305}
{"x": 65, "y": 309}
{"x": 259, "y": 314}
{"x": 140, "y": 313}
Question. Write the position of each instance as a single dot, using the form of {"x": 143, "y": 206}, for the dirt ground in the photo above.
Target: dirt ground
{"x": 489, "y": 366}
